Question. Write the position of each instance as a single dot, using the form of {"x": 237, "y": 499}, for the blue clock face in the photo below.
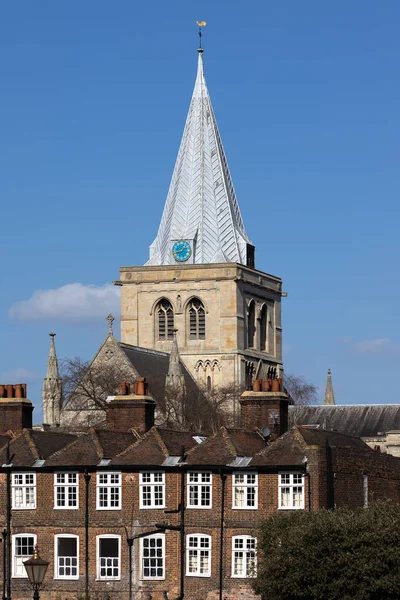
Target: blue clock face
{"x": 181, "y": 251}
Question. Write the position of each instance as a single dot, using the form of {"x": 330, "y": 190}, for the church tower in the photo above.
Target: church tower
{"x": 52, "y": 388}
{"x": 201, "y": 282}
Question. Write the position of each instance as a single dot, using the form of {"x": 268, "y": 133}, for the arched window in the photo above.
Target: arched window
{"x": 209, "y": 383}
{"x": 251, "y": 326}
{"x": 197, "y": 320}
{"x": 165, "y": 319}
{"x": 263, "y": 327}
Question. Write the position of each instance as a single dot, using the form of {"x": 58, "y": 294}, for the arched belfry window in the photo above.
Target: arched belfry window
{"x": 165, "y": 320}
{"x": 263, "y": 327}
{"x": 197, "y": 320}
{"x": 251, "y": 325}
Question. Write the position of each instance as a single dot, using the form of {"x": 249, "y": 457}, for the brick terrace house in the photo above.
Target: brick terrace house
{"x": 139, "y": 512}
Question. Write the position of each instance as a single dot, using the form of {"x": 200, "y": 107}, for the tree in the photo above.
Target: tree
{"x": 87, "y": 385}
{"x": 300, "y": 391}
{"x": 335, "y": 555}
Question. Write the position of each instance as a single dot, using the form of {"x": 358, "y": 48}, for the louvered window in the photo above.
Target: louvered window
{"x": 197, "y": 320}
{"x": 263, "y": 328}
{"x": 165, "y": 316}
{"x": 251, "y": 329}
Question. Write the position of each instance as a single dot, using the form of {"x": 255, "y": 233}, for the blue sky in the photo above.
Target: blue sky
{"x": 306, "y": 94}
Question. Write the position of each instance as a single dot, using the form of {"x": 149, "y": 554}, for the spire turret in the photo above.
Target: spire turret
{"x": 201, "y": 222}
{"x": 329, "y": 398}
{"x": 175, "y": 381}
{"x": 52, "y": 388}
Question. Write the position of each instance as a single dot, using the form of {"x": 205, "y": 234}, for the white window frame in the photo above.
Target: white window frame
{"x": 14, "y": 574}
{"x": 66, "y": 485}
{"x": 153, "y": 486}
{"x": 23, "y": 487}
{"x": 98, "y": 557}
{"x": 245, "y": 552}
{"x": 197, "y": 551}
{"x": 108, "y": 486}
{"x": 56, "y": 557}
{"x": 199, "y": 484}
{"x": 291, "y": 485}
{"x": 143, "y": 558}
{"x": 245, "y": 485}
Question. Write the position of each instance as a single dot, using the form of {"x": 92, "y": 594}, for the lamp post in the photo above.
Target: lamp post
{"x": 36, "y": 568}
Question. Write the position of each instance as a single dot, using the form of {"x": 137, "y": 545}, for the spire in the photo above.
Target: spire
{"x": 52, "y": 362}
{"x": 201, "y": 206}
{"x": 52, "y": 388}
{"x": 175, "y": 380}
{"x": 329, "y": 398}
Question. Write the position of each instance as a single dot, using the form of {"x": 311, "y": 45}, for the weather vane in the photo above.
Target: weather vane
{"x": 201, "y": 24}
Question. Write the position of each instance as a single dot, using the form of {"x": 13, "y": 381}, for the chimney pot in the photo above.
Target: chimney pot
{"x": 3, "y": 391}
{"x": 18, "y": 391}
{"x": 122, "y": 388}
{"x": 10, "y": 391}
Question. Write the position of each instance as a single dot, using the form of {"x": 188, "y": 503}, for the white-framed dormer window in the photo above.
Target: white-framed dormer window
{"x": 23, "y": 491}
{"x": 108, "y": 491}
{"x": 66, "y": 556}
{"x": 244, "y": 490}
{"x": 198, "y": 555}
{"x": 23, "y": 545}
{"x": 152, "y": 489}
{"x": 244, "y": 556}
{"x": 108, "y": 556}
{"x": 199, "y": 493}
{"x": 152, "y": 556}
{"x": 291, "y": 491}
{"x": 66, "y": 490}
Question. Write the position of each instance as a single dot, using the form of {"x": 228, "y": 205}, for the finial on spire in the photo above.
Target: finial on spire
{"x": 201, "y": 24}
{"x": 110, "y": 320}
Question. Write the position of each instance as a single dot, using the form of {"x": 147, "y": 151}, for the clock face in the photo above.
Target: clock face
{"x": 181, "y": 251}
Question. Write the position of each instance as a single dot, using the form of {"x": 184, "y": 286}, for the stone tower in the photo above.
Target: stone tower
{"x": 201, "y": 278}
{"x": 52, "y": 388}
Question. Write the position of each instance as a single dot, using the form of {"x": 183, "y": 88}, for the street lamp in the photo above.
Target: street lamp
{"x": 36, "y": 568}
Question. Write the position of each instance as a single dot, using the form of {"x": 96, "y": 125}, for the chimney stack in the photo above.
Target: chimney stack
{"x": 267, "y": 405}
{"x": 131, "y": 410}
{"x": 15, "y": 408}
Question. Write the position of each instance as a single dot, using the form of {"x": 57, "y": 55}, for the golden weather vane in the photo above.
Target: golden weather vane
{"x": 201, "y": 24}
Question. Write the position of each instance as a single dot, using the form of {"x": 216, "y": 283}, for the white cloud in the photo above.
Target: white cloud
{"x": 71, "y": 302}
{"x": 19, "y": 376}
{"x": 377, "y": 346}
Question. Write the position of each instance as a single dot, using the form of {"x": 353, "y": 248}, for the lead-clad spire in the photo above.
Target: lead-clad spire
{"x": 201, "y": 206}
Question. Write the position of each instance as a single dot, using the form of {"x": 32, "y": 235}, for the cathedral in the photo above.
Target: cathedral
{"x": 198, "y": 313}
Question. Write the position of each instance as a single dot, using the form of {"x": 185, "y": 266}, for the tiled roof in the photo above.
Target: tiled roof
{"x": 30, "y": 446}
{"x": 224, "y": 446}
{"x": 361, "y": 421}
{"x": 155, "y": 446}
{"x": 320, "y": 437}
{"x": 289, "y": 449}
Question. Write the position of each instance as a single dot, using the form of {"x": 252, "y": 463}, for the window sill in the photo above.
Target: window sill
{"x": 108, "y": 578}
{"x": 244, "y": 507}
{"x": 108, "y": 508}
{"x": 152, "y": 507}
{"x": 152, "y": 578}
{"x": 198, "y": 575}
{"x": 75, "y": 578}
{"x": 65, "y": 507}
{"x": 199, "y": 507}
{"x": 24, "y": 508}
{"x": 291, "y": 508}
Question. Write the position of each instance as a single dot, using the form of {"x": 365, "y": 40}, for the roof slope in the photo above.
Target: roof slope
{"x": 225, "y": 445}
{"x": 153, "y": 365}
{"x": 201, "y": 204}
{"x": 361, "y": 421}
{"x": 31, "y": 445}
